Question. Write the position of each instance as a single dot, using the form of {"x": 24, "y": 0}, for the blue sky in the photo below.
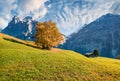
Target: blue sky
{"x": 70, "y": 15}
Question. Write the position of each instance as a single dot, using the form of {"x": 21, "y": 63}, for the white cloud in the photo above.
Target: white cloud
{"x": 30, "y": 5}
{"x": 5, "y": 8}
{"x": 40, "y": 13}
{"x": 116, "y": 8}
{"x": 35, "y": 8}
{"x": 3, "y": 23}
{"x": 5, "y": 12}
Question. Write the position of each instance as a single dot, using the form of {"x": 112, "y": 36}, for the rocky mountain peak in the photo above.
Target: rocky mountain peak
{"x": 23, "y": 29}
{"x": 15, "y": 19}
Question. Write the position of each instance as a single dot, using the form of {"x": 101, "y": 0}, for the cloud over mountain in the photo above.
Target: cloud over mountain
{"x": 70, "y": 15}
{"x": 35, "y": 8}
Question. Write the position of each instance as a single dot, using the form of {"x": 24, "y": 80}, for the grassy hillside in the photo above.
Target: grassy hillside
{"x": 19, "y": 62}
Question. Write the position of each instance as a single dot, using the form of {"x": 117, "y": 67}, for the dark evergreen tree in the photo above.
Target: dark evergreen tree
{"x": 95, "y": 53}
{"x": 118, "y": 56}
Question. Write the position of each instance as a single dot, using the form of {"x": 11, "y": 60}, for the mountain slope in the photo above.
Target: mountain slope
{"x": 102, "y": 34}
{"x": 23, "y": 29}
{"x": 21, "y": 62}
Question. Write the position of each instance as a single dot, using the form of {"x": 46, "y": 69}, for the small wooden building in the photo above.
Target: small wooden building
{"x": 89, "y": 54}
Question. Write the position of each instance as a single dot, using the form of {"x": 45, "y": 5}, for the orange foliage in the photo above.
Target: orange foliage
{"x": 48, "y": 35}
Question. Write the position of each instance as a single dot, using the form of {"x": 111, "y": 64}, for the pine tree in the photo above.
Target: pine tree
{"x": 48, "y": 35}
{"x": 95, "y": 52}
{"x": 118, "y": 56}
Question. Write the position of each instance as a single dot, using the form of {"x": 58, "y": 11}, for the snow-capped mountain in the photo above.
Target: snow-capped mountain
{"x": 21, "y": 28}
{"x": 102, "y": 34}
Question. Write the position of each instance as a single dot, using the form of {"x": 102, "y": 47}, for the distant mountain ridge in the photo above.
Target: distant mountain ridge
{"x": 23, "y": 29}
{"x": 102, "y": 34}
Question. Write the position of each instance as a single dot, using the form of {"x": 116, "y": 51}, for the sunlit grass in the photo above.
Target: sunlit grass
{"x": 19, "y": 62}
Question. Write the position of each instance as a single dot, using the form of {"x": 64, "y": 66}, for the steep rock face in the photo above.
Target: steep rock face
{"x": 23, "y": 29}
{"x": 102, "y": 34}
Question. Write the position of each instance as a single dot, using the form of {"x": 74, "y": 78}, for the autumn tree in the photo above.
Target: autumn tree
{"x": 48, "y": 35}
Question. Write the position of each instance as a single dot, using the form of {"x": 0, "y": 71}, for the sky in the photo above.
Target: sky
{"x": 70, "y": 15}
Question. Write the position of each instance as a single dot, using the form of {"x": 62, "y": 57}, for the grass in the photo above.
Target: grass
{"x": 19, "y": 62}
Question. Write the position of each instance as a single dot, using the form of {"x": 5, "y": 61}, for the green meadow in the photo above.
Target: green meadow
{"x": 20, "y": 62}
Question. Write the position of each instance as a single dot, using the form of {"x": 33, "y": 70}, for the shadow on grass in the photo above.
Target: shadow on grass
{"x": 13, "y": 40}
